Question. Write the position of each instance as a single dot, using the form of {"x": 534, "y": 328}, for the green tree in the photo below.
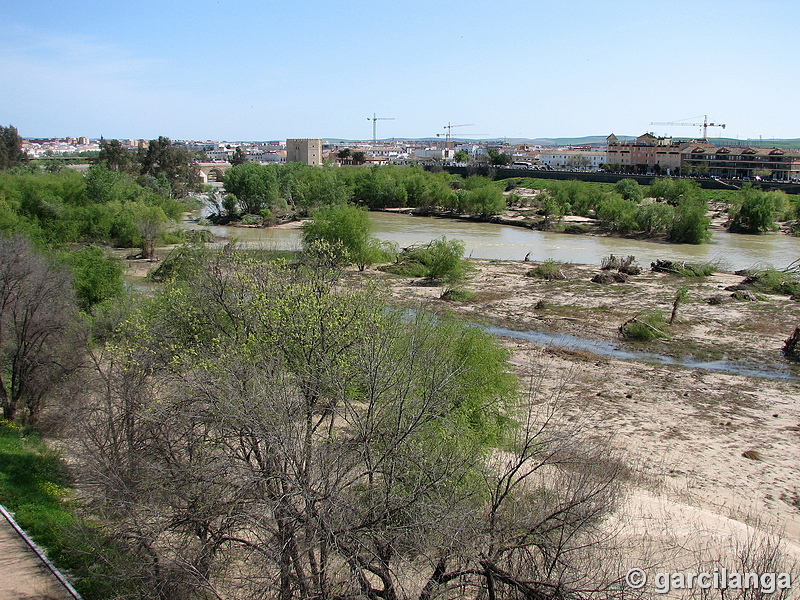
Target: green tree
{"x": 580, "y": 197}
{"x": 115, "y": 156}
{"x": 255, "y": 186}
{"x": 756, "y": 211}
{"x": 617, "y": 213}
{"x": 485, "y": 200}
{"x": 550, "y": 209}
{"x": 176, "y": 166}
{"x": 690, "y": 223}
{"x": 380, "y": 187}
{"x": 497, "y": 158}
{"x": 359, "y": 158}
{"x": 674, "y": 191}
{"x": 105, "y": 185}
{"x": 461, "y": 156}
{"x": 629, "y": 189}
{"x": 654, "y": 218}
{"x": 343, "y": 154}
{"x": 97, "y": 277}
{"x": 313, "y": 187}
{"x": 239, "y": 157}
{"x": 150, "y": 222}
{"x": 346, "y": 229}
{"x": 11, "y": 153}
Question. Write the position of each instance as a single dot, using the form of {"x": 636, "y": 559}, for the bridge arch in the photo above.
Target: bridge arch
{"x": 212, "y": 172}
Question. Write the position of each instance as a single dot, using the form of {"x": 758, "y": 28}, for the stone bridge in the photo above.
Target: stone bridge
{"x": 212, "y": 171}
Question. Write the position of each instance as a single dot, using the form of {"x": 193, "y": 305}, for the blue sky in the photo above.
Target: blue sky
{"x": 260, "y": 70}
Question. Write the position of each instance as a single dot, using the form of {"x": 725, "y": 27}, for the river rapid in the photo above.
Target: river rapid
{"x": 503, "y": 242}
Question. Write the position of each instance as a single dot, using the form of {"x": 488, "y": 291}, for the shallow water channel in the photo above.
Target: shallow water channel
{"x": 608, "y": 349}
{"x": 504, "y": 242}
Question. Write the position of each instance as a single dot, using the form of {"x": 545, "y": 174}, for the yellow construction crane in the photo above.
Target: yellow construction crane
{"x": 705, "y": 124}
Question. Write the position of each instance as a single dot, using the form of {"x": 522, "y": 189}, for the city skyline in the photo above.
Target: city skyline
{"x": 247, "y": 70}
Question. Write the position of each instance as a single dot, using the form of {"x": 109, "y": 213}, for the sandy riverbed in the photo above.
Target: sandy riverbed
{"x": 683, "y": 431}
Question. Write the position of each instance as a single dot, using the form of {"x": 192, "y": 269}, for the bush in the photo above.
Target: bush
{"x": 577, "y": 197}
{"x": 616, "y": 213}
{"x": 689, "y": 224}
{"x": 482, "y": 197}
{"x": 97, "y": 277}
{"x": 616, "y": 262}
{"x": 674, "y": 191}
{"x": 199, "y": 236}
{"x": 654, "y": 218}
{"x": 684, "y": 269}
{"x": 252, "y": 219}
{"x": 629, "y": 189}
{"x": 757, "y": 211}
{"x": 346, "y": 228}
{"x": 645, "y": 326}
{"x": 704, "y": 269}
{"x": 549, "y": 270}
{"x": 575, "y": 229}
{"x": 457, "y": 295}
{"x": 438, "y": 261}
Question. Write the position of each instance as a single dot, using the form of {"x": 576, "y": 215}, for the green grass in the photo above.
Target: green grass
{"x": 773, "y": 281}
{"x": 699, "y": 270}
{"x": 458, "y": 295}
{"x": 645, "y": 327}
{"x": 34, "y": 486}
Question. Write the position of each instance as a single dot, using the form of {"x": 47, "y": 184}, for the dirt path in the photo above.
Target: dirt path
{"x": 22, "y": 575}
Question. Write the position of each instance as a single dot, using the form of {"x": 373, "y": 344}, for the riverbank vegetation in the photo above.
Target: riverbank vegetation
{"x": 676, "y": 210}
{"x": 260, "y": 429}
{"x": 266, "y": 429}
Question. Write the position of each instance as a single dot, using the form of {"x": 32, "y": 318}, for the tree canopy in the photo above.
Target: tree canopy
{"x": 346, "y": 230}
{"x": 11, "y": 153}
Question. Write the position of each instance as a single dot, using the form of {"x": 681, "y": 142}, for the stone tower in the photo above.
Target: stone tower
{"x": 307, "y": 151}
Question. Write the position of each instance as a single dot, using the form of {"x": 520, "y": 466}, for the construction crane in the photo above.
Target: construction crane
{"x": 375, "y": 120}
{"x": 705, "y": 124}
{"x": 449, "y": 131}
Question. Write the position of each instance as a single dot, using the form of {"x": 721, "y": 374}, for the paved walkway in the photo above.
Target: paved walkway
{"x": 22, "y": 575}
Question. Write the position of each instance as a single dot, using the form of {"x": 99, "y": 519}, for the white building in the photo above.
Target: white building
{"x": 573, "y": 159}
{"x": 435, "y": 153}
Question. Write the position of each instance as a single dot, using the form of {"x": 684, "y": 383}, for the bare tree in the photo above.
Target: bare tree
{"x": 263, "y": 432}
{"x": 39, "y": 333}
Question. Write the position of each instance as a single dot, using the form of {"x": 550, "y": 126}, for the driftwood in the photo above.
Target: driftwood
{"x": 630, "y": 270}
{"x": 616, "y": 262}
{"x": 665, "y": 266}
{"x": 744, "y": 295}
{"x": 606, "y": 277}
{"x": 790, "y": 346}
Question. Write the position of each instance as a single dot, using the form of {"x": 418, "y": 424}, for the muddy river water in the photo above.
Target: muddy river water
{"x": 503, "y": 242}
